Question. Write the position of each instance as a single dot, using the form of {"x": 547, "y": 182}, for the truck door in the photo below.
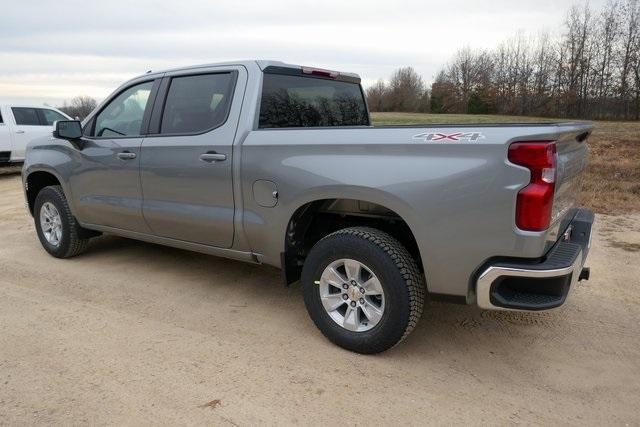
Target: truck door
{"x": 27, "y": 127}
{"x": 185, "y": 166}
{"x": 106, "y": 184}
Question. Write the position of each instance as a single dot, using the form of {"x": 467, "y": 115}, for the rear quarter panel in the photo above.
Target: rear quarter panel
{"x": 457, "y": 197}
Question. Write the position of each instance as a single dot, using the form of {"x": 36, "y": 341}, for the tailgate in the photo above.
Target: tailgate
{"x": 571, "y": 146}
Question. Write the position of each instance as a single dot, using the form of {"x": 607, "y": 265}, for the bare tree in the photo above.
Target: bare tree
{"x": 376, "y": 96}
{"x": 469, "y": 76}
{"x": 607, "y": 33}
{"x": 80, "y": 106}
{"x": 405, "y": 91}
{"x": 628, "y": 53}
{"x": 590, "y": 69}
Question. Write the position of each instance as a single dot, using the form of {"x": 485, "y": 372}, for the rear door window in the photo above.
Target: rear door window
{"x": 298, "y": 101}
{"x": 197, "y": 103}
{"x": 26, "y": 116}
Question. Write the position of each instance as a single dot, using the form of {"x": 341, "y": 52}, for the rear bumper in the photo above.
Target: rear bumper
{"x": 539, "y": 284}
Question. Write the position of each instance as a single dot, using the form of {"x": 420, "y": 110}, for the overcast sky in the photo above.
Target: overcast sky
{"x": 54, "y": 50}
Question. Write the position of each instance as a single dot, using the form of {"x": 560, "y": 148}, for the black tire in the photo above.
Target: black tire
{"x": 401, "y": 280}
{"x": 73, "y": 241}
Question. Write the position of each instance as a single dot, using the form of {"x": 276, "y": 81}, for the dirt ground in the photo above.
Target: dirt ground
{"x": 133, "y": 333}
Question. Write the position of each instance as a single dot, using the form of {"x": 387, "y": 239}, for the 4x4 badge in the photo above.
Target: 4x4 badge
{"x": 445, "y": 137}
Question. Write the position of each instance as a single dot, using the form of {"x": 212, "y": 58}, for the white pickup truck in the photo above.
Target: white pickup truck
{"x": 19, "y": 124}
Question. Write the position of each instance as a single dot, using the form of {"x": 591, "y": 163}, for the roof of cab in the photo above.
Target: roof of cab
{"x": 29, "y": 105}
{"x": 262, "y": 64}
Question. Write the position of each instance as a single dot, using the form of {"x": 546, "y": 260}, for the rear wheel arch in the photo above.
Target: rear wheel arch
{"x": 316, "y": 219}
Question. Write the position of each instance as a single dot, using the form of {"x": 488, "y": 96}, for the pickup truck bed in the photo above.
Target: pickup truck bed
{"x": 442, "y": 190}
{"x": 278, "y": 164}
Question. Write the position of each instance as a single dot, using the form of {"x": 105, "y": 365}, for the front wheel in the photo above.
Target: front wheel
{"x": 363, "y": 289}
{"x": 58, "y": 231}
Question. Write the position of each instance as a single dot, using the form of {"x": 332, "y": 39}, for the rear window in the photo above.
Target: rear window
{"x": 297, "y": 101}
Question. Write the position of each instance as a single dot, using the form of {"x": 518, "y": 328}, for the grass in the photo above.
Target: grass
{"x": 421, "y": 118}
{"x": 611, "y": 183}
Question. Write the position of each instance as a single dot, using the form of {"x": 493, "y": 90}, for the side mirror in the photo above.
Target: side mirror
{"x": 68, "y": 129}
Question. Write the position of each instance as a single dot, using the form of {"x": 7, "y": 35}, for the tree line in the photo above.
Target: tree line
{"x": 590, "y": 70}
{"x": 79, "y": 107}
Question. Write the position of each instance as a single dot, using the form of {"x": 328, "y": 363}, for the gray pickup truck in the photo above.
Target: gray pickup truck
{"x": 271, "y": 163}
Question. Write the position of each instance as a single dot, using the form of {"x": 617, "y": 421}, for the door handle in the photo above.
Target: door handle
{"x": 127, "y": 155}
{"x": 19, "y": 131}
{"x": 213, "y": 157}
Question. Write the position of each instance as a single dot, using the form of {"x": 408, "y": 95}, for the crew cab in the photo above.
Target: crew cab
{"x": 272, "y": 163}
{"x": 19, "y": 124}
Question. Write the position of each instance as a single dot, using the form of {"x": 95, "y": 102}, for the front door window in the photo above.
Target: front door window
{"x": 123, "y": 116}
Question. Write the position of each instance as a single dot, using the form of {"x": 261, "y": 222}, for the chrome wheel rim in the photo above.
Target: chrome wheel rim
{"x": 51, "y": 224}
{"x": 352, "y": 295}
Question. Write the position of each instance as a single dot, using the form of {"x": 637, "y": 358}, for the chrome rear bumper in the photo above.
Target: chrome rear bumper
{"x": 538, "y": 284}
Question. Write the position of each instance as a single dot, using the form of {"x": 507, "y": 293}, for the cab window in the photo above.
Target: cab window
{"x": 51, "y": 116}
{"x": 197, "y": 103}
{"x": 123, "y": 115}
{"x": 301, "y": 101}
{"x": 26, "y": 116}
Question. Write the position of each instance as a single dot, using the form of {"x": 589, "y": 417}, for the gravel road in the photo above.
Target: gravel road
{"x": 134, "y": 333}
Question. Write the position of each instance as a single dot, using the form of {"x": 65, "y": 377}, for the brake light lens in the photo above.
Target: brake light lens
{"x": 535, "y": 201}
{"x": 320, "y": 72}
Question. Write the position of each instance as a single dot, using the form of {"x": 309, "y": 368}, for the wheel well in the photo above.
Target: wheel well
{"x": 314, "y": 220}
{"x": 36, "y": 181}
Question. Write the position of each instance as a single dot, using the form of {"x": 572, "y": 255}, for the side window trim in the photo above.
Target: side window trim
{"x": 155, "y": 123}
{"x": 158, "y": 107}
{"x": 89, "y": 127}
{"x": 145, "y": 117}
{"x": 41, "y": 117}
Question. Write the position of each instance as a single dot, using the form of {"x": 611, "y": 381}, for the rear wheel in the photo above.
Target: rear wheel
{"x": 363, "y": 289}
{"x": 58, "y": 231}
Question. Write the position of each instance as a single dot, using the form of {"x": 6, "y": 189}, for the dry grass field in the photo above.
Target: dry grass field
{"x": 612, "y": 181}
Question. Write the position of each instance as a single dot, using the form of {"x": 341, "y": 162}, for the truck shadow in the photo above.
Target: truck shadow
{"x": 9, "y": 171}
{"x": 220, "y": 285}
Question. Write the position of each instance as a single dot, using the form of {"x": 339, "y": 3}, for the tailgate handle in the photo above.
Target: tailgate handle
{"x": 212, "y": 156}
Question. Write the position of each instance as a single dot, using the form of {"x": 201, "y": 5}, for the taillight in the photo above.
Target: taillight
{"x": 535, "y": 201}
